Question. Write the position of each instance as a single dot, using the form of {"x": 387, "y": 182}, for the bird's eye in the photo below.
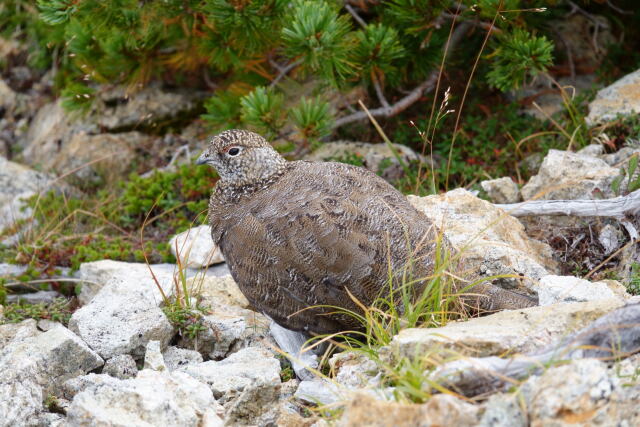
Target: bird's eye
{"x": 234, "y": 151}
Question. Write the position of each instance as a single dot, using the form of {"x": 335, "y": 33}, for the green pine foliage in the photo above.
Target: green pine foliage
{"x": 519, "y": 55}
{"x": 244, "y": 45}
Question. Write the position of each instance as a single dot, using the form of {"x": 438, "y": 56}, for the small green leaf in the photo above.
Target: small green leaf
{"x": 633, "y": 164}
{"x": 615, "y": 184}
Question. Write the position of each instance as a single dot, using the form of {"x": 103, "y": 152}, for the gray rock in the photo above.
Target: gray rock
{"x": 121, "y": 367}
{"x": 319, "y": 392}
{"x": 247, "y": 383}
{"x": 619, "y": 98}
{"x": 228, "y": 328}
{"x": 21, "y": 395}
{"x": 45, "y": 324}
{"x": 79, "y": 384}
{"x": 16, "y": 332}
{"x": 7, "y": 97}
{"x": 570, "y": 176}
{"x": 593, "y": 150}
{"x": 620, "y": 157}
{"x": 153, "y": 357}
{"x": 493, "y": 242}
{"x": 8, "y": 270}
{"x": 98, "y": 158}
{"x": 373, "y": 156}
{"x": 55, "y": 355}
{"x": 18, "y": 182}
{"x": 609, "y": 237}
{"x": 581, "y": 391}
{"x": 146, "y": 107}
{"x": 503, "y": 410}
{"x": 151, "y": 399}
{"x": 439, "y": 410}
{"x": 122, "y": 318}
{"x": 195, "y": 248}
{"x": 38, "y": 297}
{"x": 50, "y": 419}
{"x": 176, "y": 357}
{"x": 501, "y": 190}
{"x": 355, "y": 370}
{"x": 510, "y": 331}
{"x": 555, "y": 289}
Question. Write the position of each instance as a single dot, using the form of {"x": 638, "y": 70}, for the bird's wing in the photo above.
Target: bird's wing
{"x": 315, "y": 234}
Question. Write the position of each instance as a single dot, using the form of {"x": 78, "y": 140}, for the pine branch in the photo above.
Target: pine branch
{"x": 415, "y": 94}
{"x": 283, "y": 71}
{"x": 355, "y": 15}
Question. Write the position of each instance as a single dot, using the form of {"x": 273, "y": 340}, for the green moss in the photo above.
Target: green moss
{"x": 107, "y": 224}
{"x": 58, "y": 311}
{"x": 634, "y": 283}
{"x": 188, "y": 320}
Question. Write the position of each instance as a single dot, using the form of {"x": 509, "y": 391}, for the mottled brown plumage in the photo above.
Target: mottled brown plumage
{"x": 299, "y": 234}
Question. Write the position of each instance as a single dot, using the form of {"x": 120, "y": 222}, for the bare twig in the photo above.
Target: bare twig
{"x": 617, "y": 9}
{"x": 355, "y": 15}
{"x": 617, "y": 207}
{"x": 413, "y": 96}
{"x": 380, "y": 93}
{"x": 283, "y": 71}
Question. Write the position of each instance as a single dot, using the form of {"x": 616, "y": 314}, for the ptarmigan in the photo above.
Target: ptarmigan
{"x": 308, "y": 234}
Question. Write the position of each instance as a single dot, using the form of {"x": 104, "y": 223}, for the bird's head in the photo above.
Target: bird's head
{"x": 241, "y": 157}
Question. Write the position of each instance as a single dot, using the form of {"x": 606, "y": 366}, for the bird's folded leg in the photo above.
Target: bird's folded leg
{"x": 291, "y": 343}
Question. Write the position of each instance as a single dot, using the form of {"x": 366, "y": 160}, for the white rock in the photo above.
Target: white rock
{"x": 122, "y": 318}
{"x": 319, "y": 392}
{"x": 509, "y": 331}
{"x": 570, "y": 176}
{"x": 222, "y": 290}
{"x": 619, "y": 98}
{"x": 355, "y": 370}
{"x": 503, "y": 410}
{"x": 151, "y": 399}
{"x": 247, "y": 383}
{"x": 97, "y": 274}
{"x": 195, "y": 248}
{"x": 580, "y": 392}
{"x": 227, "y": 329}
{"x": 79, "y": 384}
{"x": 501, "y": 190}
{"x": 554, "y": 289}
{"x": 440, "y": 410}
{"x": 593, "y": 150}
{"x": 21, "y": 396}
{"x": 176, "y": 357}
{"x": 16, "y": 332}
{"x": 121, "y": 367}
{"x": 609, "y": 237}
{"x": 153, "y": 358}
{"x": 55, "y": 355}
{"x": 493, "y": 242}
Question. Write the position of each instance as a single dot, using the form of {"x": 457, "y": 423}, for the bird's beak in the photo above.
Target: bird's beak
{"x": 202, "y": 160}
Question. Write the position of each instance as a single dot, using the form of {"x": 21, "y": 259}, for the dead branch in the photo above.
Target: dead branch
{"x": 613, "y": 336}
{"x": 618, "y": 207}
{"x": 415, "y": 94}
